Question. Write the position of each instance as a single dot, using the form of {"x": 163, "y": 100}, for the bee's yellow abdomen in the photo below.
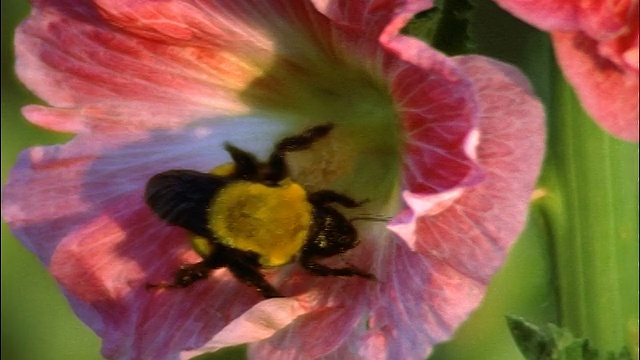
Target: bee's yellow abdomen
{"x": 270, "y": 221}
{"x": 223, "y": 170}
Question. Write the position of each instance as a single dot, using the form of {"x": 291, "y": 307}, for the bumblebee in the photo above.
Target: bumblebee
{"x": 248, "y": 215}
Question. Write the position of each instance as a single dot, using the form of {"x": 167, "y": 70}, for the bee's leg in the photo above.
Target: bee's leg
{"x": 185, "y": 276}
{"x": 277, "y": 167}
{"x": 323, "y": 270}
{"x": 245, "y": 266}
{"x": 303, "y": 141}
{"x": 252, "y": 276}
{"x": 326, "y": 197}
{"x": 189, "y": 273}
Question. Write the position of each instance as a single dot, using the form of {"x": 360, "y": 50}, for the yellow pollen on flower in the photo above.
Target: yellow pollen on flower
{"x": 270, "y": 221}
{"x": 328, "y": 160}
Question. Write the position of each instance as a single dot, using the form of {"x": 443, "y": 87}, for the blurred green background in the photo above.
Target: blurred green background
{"x": 539, "y": 282}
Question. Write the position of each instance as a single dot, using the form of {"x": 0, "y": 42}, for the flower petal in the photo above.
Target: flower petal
{"x": 596, "y": 45}
{"x": 608, "y": 92}
{"x": 437, "y": 111}
{"x": 461, "y": 247}
{"x": 79, "y": 207}
{"x": 257, "y": 323}
{"x": 105, "y": 74}
{"x": 418, "y": 296}
{"x": 372, "y": 15}
{"x": 432, "y": 99}
{"x": 334, "y": 307}
{"x": 198, "y": 75}
{"x": 314, "y": 335}
{"x": 510, "y": 151}
{"x": 545, "y": 14}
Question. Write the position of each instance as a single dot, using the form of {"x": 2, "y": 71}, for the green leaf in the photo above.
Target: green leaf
{"x": 553, "y": 343}
{"x": 566, "y": 347}
{"x": 534, "y": 343}
{"x": 445, "y": 26}
{"x": 424, "y": 24}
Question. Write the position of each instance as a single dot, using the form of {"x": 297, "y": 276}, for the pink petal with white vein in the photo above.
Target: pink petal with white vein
{"x": 421, "y": 204}
{"x": 510, "y": 153}
{"x": 461, "y": 247}
{"x": 438, "y": 116}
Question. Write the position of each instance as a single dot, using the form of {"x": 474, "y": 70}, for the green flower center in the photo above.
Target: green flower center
{"x": 361, "y": 157}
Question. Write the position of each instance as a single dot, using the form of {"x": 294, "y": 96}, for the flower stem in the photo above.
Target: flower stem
{"x": 592, "y": 210}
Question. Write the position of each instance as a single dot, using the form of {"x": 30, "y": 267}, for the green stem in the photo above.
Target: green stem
{"x": 592, "y": 210}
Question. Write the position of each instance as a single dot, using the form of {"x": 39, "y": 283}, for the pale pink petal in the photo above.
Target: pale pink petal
{"x": 461, "y": 247}
{"x": 410, "y": 317}
{"x": 510, "y": 151}
{"x": 316, "y": 334}
{"x": 63, "y": 120}
{"x": 411, "y": 307}
{"x": 80, "y": 208}
{"x": 237, "y": 27}
{"x": 376, "y": 16}
{"x": 259, "y": 322}
{"x": 335, "y": 307}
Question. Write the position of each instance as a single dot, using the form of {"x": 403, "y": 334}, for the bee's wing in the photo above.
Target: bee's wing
{"x": 182, "y": 198}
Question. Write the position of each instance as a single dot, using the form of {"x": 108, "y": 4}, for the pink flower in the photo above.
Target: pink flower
{"x": 149, "y": 86}
{"x": 596, "y": 44}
